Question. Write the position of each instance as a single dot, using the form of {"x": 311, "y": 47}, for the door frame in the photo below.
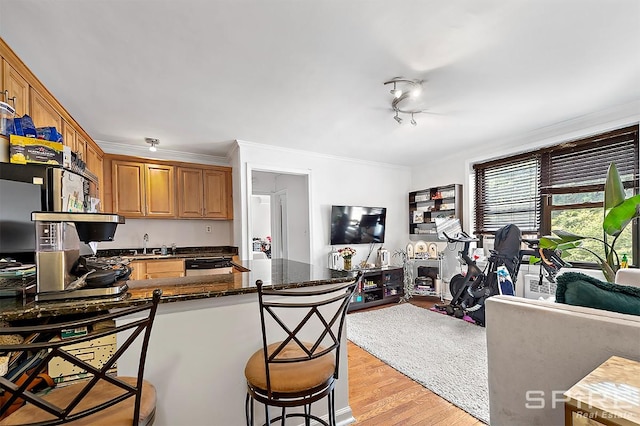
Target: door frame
{"x": 250, "y": 168}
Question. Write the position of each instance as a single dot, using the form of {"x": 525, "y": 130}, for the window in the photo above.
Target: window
{"x": 559, "y": 187}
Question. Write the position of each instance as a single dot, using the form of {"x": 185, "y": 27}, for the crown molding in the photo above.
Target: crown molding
{"x": 161, "y": 153}
{"x": 255, "y": 145}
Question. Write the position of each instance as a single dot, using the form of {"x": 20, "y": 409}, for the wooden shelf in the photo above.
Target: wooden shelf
{"x": 386, "y": 280}
{"x": 426, "y": 205}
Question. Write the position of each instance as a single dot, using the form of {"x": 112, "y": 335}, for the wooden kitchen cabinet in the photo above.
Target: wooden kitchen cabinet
{"x": 42, "y": 113}
{"x": 128, "y": 188}
{"x": 34, "y": 99}
{"x": 157, "y": 268}
{"x": 160, "y": 190}
{"x": 218, "y": 202}
{"x": 95, "y": 165}
{"x": 142, "y": 189}
{"x": 69, "y": 135}
{"x": 190, "y": 190}
{"x": 204, "y": 193}
{"x": 18, "y": 88}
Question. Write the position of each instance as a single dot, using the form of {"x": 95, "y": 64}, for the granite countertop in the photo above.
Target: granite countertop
{"x": 181, "y": 253}
{"x": 279, "y": 273}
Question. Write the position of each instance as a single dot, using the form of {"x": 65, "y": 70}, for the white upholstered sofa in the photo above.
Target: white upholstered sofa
{"x": 537, "y": 350}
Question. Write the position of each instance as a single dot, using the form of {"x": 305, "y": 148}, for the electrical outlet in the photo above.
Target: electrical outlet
{"x": 208, "y": 229}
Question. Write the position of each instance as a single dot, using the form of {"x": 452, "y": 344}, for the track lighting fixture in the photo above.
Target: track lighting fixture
{"x": 153, "y": 142}
{"x": 405, "y": 90}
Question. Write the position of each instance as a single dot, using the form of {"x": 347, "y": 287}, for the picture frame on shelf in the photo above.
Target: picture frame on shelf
{"x": 418, "y": 216}
{"x": 410, "y": 254}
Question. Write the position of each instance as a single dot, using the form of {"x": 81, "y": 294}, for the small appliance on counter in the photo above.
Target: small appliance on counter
{"x": 382, "y": 259}
{"x": 58, "y": 236}
{"x": 334, "y": 259}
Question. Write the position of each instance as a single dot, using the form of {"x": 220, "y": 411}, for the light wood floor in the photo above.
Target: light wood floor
{"x": 380, "y": 395}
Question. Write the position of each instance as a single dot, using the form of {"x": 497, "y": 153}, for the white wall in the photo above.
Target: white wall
{"x": 333, "y": 180}
{"x": 185, "y": 233}
{"x": 297, "y": 212}
{"x": 261, "y": 217}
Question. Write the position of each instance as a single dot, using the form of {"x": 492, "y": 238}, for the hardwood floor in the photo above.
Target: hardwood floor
{"x": 380, "y": 395}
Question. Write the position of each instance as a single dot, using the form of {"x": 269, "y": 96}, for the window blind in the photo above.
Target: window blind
{"x": 585, "y": 163}
{"x": 511, "y": 190}
{"x": 508, "y": 192}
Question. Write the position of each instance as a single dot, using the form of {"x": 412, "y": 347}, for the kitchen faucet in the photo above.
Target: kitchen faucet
{"x": 145, "y": 240}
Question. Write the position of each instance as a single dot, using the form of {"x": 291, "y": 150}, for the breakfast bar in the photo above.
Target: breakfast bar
{"x": 205, "y": 329}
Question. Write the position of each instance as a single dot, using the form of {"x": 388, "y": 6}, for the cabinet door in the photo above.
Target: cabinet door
{"x": 190, "y": 192}
{"x": 95, "y": 165}
{"x": 81, "y": 148}
{"x": 17, "y": 87}
{"x": 43, "y": 114}
{"x": 160, "y": 190}
{"x": 69, "y": 136}
{"x": 217, "y": 195}
{"x": 138, "y": 270}
{"x": 128, "y": 188}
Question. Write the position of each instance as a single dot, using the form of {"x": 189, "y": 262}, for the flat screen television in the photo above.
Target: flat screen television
{"x": 357, "y": 224}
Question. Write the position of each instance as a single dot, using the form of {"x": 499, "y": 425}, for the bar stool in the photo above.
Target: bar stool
{"x": 303, "y": 367}
{"x": 103, "y": 399}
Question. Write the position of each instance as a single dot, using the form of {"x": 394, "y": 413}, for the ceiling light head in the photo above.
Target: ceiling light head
{"x": 153, "y": 142}
{"x": 403, "y": 89}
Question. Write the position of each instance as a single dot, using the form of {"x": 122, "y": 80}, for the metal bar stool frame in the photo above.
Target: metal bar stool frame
{"x": 68, "y": 413}
{"x": 331, "y": 332}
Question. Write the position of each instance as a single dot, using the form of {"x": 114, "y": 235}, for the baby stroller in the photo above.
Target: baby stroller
{"x": 470, "y": 291}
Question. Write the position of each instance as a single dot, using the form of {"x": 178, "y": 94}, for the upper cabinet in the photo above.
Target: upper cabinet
{"x": 160, "y": 199}
{"x": 204, "y": 193}
{"x": 143, "y": 190}
{"x": 34, "y": 99}
{"x": 17, "y": 88}
{"x": 42, "y": 113}
{"x": 166, "y": 189}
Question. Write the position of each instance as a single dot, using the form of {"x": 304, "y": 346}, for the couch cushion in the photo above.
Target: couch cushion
{"x": 578, "y": 289}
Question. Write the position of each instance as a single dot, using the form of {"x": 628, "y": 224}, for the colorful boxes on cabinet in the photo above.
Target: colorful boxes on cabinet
{"x": 23, "y": 150}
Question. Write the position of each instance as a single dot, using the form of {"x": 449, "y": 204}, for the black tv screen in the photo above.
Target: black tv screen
{"x": 357, "y": 225}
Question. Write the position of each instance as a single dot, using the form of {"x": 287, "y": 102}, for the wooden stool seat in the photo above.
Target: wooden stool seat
{"x": 290, "y": 378}
{"x": 119, "y": 414}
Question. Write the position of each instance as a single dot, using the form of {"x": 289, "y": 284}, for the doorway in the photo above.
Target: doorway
{"x": 285, "y": 196}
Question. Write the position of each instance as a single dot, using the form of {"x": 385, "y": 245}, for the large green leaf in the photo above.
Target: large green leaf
{"x": 568, "y": 236}
{"x": 554, "y": 243}
{"x": 613, "y": 188}
{"x": 620, "y": 215}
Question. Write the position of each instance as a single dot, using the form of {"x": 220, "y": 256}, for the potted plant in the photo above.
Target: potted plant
{"x": 618, "y": 212}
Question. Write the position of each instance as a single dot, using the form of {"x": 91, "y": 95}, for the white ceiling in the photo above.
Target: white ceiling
{"x": 309, "y": 74}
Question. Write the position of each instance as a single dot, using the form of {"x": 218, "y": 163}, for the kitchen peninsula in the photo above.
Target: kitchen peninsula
{"x": 205, "y": 330}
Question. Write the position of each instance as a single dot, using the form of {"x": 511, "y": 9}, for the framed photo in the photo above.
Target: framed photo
{"x": 410, "y": 254}
{"x": 418, "y": 216}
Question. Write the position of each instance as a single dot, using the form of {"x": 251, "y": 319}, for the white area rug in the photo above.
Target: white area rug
{"x": 446, "y": 355}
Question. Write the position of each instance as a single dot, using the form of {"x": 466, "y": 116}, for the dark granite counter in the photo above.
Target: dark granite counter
{"x": 279, "y": 273}
{"x": 181, "y": 252}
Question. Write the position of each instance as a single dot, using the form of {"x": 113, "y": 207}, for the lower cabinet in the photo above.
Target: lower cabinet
{"x": 149, "y": 269}
{"x": 377, "y": 287}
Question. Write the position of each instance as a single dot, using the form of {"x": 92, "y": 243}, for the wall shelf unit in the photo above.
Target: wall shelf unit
{"x": 377, "y": 287}
{"x": 428, "y": 204}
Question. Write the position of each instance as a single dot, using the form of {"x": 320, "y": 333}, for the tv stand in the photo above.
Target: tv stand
{"x": 378, "y": 286}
